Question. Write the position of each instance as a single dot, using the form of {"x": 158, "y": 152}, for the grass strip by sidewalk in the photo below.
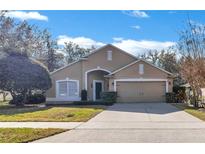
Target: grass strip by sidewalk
{"x": 191, "y": 110}
{"x": 24, "y": 135}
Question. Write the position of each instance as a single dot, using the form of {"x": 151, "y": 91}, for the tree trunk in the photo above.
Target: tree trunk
{"x": 4, "y": 96}
{"x": 24, "y": 94}
{"x": 13, "y": 96}
{"x": 195, "y": 98}
{"x": 29, "y": 93}
{"x": 16, "y": 101}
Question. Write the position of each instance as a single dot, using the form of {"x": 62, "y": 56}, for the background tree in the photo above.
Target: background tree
{"x": 29, "y": 40}
{"x": 166, "y": 59}
{"x": 20, "y": 36}
{"x": 50, "y": 55}
{"x": 152, "y": 56}
{"x": 73, "y": 52}
{"x": 192, "y": 48}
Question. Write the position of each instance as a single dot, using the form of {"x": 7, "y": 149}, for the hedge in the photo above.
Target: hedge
{"x": 36, "y": 99}
{"x": 31, "y": 99}
{"x": 91, "y": 103}
{"x": 171, "y": 97}
{"x": 109, "y": 96}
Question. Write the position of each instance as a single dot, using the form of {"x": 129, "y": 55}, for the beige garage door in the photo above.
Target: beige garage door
{"x": 141, "y": 91}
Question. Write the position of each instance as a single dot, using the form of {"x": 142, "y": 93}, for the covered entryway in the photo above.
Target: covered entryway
{"x": 144, "y": 91}
{"x": 95, "y": 83}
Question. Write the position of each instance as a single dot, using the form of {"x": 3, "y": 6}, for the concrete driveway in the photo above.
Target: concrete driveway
{"x": 139, "y": 122}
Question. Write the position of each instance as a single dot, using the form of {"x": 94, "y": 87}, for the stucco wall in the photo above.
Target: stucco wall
{"x": 99, "y": 59}
{"x": 132, "y": 71}
{"x": 72, "y": 72}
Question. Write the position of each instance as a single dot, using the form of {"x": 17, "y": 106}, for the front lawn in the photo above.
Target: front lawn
{"x": 191, "y": 110}
{"x": 46, "y": 114}
{"x": 22, "y": 135}
{"x": 3, "y": 104}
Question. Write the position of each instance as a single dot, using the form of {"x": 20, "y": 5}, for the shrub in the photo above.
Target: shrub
{"x": 177, "y": 89}
{"x": 109, "y": 96}
{"x": 19, "y": 74}
{"x": 36, "y": 99}
{"x": 31, "y": 99}
{"x": 84, "y": 95}
{"x": 18, "y": 99}
{"x": 91, "y": 103}
{"x": 170, "y": 97}
{"x": 180, "y": 94}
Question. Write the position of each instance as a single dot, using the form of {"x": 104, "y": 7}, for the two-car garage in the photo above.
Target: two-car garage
{"x": 141, "y": 81}
{"x": 141, "y": 91}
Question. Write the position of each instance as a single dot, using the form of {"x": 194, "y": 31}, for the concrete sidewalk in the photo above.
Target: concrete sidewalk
{"x": 63, "y": 125}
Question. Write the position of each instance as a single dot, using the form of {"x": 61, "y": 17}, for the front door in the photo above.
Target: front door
{"x": 98, "y": 90}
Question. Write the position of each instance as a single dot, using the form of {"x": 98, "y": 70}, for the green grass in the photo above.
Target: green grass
{"x": 52, "y": 114}
{"x": 3, "y": 104}
{"x": 23, "y": 135}
{"x": 191, "y": 110}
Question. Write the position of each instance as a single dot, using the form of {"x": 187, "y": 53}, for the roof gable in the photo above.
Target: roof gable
{"x": 91, "y": 53}
{"x": 65, "y": 66}
{"x": 132, "y": 63}
{"x": 112, "y": 46}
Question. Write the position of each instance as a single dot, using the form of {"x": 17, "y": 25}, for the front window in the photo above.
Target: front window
{"x": 68, "y": 88}
{"x": 62, "y": 88}
{"x": 73, "y": 88}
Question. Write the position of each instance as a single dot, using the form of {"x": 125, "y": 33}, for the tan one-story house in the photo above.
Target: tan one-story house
{"x": 110, "y": 69}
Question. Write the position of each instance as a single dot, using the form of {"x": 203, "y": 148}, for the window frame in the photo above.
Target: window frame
{"x": 109, "y": 55}
{"x": 60, "y": 95}
{"x": 67, "y": 81}
{"x": 141, "y": 69}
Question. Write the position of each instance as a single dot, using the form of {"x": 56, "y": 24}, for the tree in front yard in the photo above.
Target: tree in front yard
{"x": 192, "y": 65}
{"x": 20, "y": 74}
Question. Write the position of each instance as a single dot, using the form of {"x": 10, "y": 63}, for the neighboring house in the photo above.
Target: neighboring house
{"x": 189, "y": 92}
{"x": 110, "y": 69}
